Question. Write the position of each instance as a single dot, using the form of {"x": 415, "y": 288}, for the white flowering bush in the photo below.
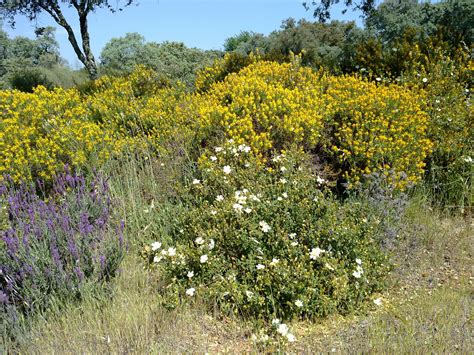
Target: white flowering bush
{"x": 267, "y": 241}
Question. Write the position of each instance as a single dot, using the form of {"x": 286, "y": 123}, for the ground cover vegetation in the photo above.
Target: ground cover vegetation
{"x": 307, "y": 185}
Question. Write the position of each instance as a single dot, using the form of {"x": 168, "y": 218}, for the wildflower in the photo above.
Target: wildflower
{"x": 171, "y": 251}
{"x": 283, "y": 169}
{"x": 285, "y": 195}
{"x": 260, "y": 267}
{"x": 275, "y": 321}
{"x": 157, "y": 259}
{"x": 329, "y": 267}
{"x": 212, "y": 244}
{"x": 358, "y": 261}
{"x": 155, "y": 246}
{"x": 280, "y": 198}
{"x": 468, "y": 159}
{"x": 218, "y": 149}
{"x": 292, "y": 235}
{"x": 199, "y": 240}
{"x": 254, "y": 198}
{"x": 378, "y": 79}
{"x": 320, "y": 180}
{"x": 190, "y": 274}
{"x": 248, "y": 210}
{"x": 315, "y": 253}
{"x": 227, "y": 169}
{"x": 291, "y": 338}
{"x": 249, "y": 294}
{"x": 299, "y": 303}
{"x": 358, "y": 272}
{"x": 425, "y": 80}
{"x": 190, "y": 291}
{"x": 237, "y": 207}
{"x": 282, "y": 329}
{"x": 213, "y": 158}
{"x": 378, "y": 301}
{"x": 203, "y": 258}
{"x": 293, "y": 244}
{"x": 219, "y": 198}
{"x": 196, "y": 182}
{"x": 265, "y": 227}
{"x": 283, "y": 181}
{"x": 213, "y": 212}
{"x": 274, "y": 261}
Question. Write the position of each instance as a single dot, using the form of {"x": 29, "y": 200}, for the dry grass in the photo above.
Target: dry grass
{"x": 427, "y": 309}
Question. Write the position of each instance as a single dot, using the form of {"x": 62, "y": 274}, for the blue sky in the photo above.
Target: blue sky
{"x": 198, "y": 23}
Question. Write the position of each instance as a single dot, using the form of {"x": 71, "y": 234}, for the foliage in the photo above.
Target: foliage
{"x": 52, "y": 248}
{"x": 42, "y": 131}
{"x": 28, "y": 79}
{"x": 173, "y": 60}
{"x": 267, "y": 242}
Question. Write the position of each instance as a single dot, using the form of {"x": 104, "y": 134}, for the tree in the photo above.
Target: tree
{"x": 322, "y": 7}
{"x": 32, "y": 8}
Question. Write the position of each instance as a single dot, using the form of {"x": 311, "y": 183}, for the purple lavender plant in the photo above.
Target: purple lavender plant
{"x": 54, "y": 244}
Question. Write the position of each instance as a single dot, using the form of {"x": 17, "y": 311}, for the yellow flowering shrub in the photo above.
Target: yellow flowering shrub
{"x": 266, "y": 104}
{"x": 377, "y": 128}
{"x": 364, "y": 127}
{"x": 42, "y": 131}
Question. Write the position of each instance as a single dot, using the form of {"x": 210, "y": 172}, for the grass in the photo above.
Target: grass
{"x": 426, "y": 309}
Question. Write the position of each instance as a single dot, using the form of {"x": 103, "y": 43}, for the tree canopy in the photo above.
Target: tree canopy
{"x": 32, "y": 8}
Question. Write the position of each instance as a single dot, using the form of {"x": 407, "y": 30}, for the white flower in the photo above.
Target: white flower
{"x": 280, "y": 198}
{"x": 293, "y": 244}
{"x": 378, "y": 79}
{"x": 212, "y": 244}
{"x": 171, "y": 251}
{"x": 329, "y": 267}
{"x": 237, "y": 207}
{"x": 358, "y": 272}
{"x": 220, "y": 198}
{"x": 260, "y": 266}
{"x": 190, "y": 274}
{"x": 254, "y": 198}
{"x": 157, "y": 259}
{"x": 203, "y": 258}
{"x": 196, "y": 182}
{"x": 292, "y": 235}
{"x": 358, "y": 261}
{"x": 320, "y": 180}
{"x": 378, "y": 301}
{"x": 283, "y": 169}
{"x": 275, "y": 321}
{"x": 264, "y": 337}
{"x": 283, "y": 180}
{"x": 274, "y": 261}
{"x": 299, "y": 303}
{"x": 227, "y": 169}
{"x": 213, "y": 158}
{"x": 249, "y": 294}
{"x": 285, "y": 195}
{"x": 225, "y": 294}
{"x": 213, "y": 212}
{"x": 265, "y": 227}
{"x": 248, "y": 210}
{"x": 315, "y": 253}
{"x": 282, "y": 329}
{"x": 218, "y": 149}
{"x": 199, "y": 240}
{"x": 155, "y": 246}
{"x": 277, "y": 158}
{"x": 291, "y": 338}
{"x": 468, "y": 159}
{"x": 425, "y": 80}
{"x": 190, "y": 291}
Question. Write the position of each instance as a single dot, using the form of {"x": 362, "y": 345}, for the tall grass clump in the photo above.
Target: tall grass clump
{"x": 55, "y": 247}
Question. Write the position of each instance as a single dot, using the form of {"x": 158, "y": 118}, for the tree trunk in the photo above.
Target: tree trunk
{"x": 90, "y": 63}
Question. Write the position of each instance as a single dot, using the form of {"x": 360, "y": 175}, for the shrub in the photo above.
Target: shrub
{"x": 54, "y": 248}
{"x": 267, "y": 241}
{"x": 27, "y": 80}
{"x": 42, "y": 131}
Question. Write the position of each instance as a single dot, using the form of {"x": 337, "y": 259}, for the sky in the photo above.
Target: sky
{"x": 204, "y": 24}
